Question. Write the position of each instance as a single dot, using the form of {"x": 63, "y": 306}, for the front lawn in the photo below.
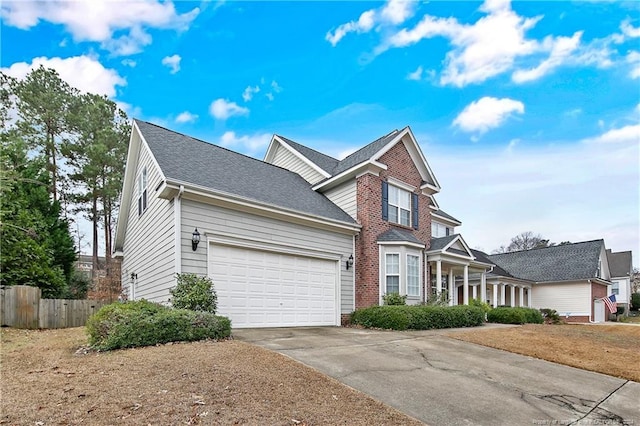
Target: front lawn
{"x": 607, "y": 349}
{"x": 47, "y": 380}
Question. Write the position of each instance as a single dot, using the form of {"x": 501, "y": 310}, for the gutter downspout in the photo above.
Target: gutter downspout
{"x": 177, "y": 224}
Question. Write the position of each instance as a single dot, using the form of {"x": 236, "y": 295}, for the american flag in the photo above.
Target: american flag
{"x": 611, "y": 303}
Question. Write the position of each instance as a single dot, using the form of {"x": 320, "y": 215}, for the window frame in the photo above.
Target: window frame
{"x": 143, "y": 182}
{"x": 387, "y": 274}
{"x": 417, "y": 276}
{"x": 395, "y": 204}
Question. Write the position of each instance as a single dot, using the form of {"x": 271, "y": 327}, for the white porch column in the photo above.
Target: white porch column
{"x": 483, "y": 287}
{"x": 512, "y": 302}
{"x": 495, "y": 295}
{"x": 438, "y": 278}
{"x": 451, "y": 286}
{"x": 474, "y": 293}
{"x": 529, "y": 296}
{"x": 465, "y": 289}
{"x": 503, "y": 295}
{"x": 521, "y": 301}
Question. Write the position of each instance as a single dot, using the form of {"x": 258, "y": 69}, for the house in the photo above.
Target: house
{"x": 304, "y": 239}
{"x": 621, "y": 267}
{"x": 570, "y": 278}
{"x": 300, "y": 238}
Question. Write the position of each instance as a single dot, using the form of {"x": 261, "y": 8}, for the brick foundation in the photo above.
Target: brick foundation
{"x": 369, "y": 215}
{"x": 577, "y": 319}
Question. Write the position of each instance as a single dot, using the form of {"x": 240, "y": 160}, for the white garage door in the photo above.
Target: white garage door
{"x": 266, "y": 289}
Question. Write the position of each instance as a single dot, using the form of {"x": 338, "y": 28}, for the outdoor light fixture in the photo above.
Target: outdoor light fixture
{"x": 195, "y": 239}
{"x": 134, "y": 276}
{"x": 350, "y": 262}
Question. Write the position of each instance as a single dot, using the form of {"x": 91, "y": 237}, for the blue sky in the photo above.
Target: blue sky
{"x": 528, "y": 112}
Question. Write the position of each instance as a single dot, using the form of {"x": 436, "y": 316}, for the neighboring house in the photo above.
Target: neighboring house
{"x": 303, "y": 239}
{"x": 84, "y": 265}
{"x": 570, "y": 278}
{"x": 621, "y": 267}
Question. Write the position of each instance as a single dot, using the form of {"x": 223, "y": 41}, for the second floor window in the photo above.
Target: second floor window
{"x": 142, "y": 191}
{"x": 399, "y": 205}
{"x": 615, "y": 288}
{"x": 439, "y": 230}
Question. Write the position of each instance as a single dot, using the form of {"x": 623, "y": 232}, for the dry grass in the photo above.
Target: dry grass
{"x": 230, "y": 382}
{"x": 607, "y": 349}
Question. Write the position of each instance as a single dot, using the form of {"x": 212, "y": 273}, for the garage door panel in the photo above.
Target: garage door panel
{"x": 267, "y": 289}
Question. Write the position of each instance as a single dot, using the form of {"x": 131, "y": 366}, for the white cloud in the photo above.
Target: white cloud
{"x": 276, "y": 87}
{"x": 269, "y": 96}
{"x": 186, "y": 117}
{"x": 633, "y": 58}
{"x": 545, "y": 189}
{"x": 394, "y": 12}
{"x": 129, "y": 63}
{"x": 82, "y": 72}
{"x": 487, "y": 113}
{"x": 416, "y": 75}
{"x": 629, "y": 30}
{"x": 172, "y": 62}
{"x": 248, "y": 93}
{"x": 249, "y": 144}
{"x": 99, "y": 20}
{"x": 482, "y": 50}
{"x": 561, "y": 50}
{"x": 223, "y": 109}
{"x": 625, "y": 135}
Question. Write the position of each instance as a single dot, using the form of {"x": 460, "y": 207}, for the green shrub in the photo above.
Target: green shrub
{"x": 509, "y": 315}
{"x": 143, "y": 323}
{"x": 550, "y": 316}
{"x": 480, "y": 304}
{"x": 635, "y": 301}
{"x": 194, "y": 293}
{"x": 394, "y": 299}
{"x": 418, "y": 317}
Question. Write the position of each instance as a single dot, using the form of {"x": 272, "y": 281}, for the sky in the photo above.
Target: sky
{"x": 527, "y": 112}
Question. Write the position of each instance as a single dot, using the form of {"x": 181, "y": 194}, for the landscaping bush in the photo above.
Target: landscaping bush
{"x": 550, "y": 316}
{"x": 635, "y": 301}
{"x": 418, "y": 317}
{"x": 394, "y": 299}
{"x": 194, "y": 293}
{"x": 509, "y": 315}
{"x": 480, "y": 304}
{"x": 143, "y": 323}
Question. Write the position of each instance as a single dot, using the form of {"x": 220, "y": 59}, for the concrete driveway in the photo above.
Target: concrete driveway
{"x": 443, "y": 381}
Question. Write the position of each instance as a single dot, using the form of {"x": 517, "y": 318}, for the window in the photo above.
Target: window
{"x": 615, "y": 288}
{"x": 142, "y": 191}
{"x": 399, "y": 206}
{"x": 439, "y": 230}
{"x": 413, "y": 275}
{"x": 392, "y": 273}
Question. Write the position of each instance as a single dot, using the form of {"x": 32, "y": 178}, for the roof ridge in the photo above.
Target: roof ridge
{"x": 307, "y": 147}
{"x": 370, "y": 143}
{"x": 549, "y": 247}
{"x": 213, "y": 145}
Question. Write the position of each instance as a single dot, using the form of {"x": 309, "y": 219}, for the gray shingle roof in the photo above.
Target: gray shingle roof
{"x": 440, "y": 243}
{"x": 395, "y": 234}
{"x": 321, "y": 160}
{"x": 558, "y": 263}
{"x": 484, "y": 257}
{"x": 191, "y": 160}
{"x": 446, "y": 215}
{"x": 619, "y": 263}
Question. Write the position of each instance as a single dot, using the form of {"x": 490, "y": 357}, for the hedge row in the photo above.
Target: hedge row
{"x": 143, "y": 323}
{"x": 418, "y": 317}
{"x": 508, "y": 315}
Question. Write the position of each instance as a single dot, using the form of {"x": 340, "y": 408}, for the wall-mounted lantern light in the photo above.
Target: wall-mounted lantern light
{"x": 350, "y": 262}
{"x": 195, "y": 239}
{"x": 134, "y": 276}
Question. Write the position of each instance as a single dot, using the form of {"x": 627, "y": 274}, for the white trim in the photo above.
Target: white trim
{"x": 400, "y": 184}
{"x": 177, "y": 231}
{"x": 341, "y": 176}
{"x": 401, "y": 243}
{"x": 235, "y": 240}
{"x": 265, "y": 208}
{"x": 353, "y": 273}
{"x": 444, "y": 219}
{"x": 295, "y": 152}
{"x": 407, "y": 273}
{"x": 384, "y": 283}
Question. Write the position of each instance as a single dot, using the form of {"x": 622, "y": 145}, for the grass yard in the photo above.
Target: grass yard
{"x": 46, "y": 379}
{"x": 607, "y": 349}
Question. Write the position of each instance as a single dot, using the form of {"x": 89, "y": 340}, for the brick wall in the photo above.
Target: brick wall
{"x": 598, "y": 291}
{"x": 369, "y": 200}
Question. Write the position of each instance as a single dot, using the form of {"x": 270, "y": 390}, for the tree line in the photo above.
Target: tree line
{"x": 63, "y": 154}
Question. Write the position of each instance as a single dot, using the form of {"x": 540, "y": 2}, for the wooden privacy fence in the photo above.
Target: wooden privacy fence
{"x": 22, "y": 307}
